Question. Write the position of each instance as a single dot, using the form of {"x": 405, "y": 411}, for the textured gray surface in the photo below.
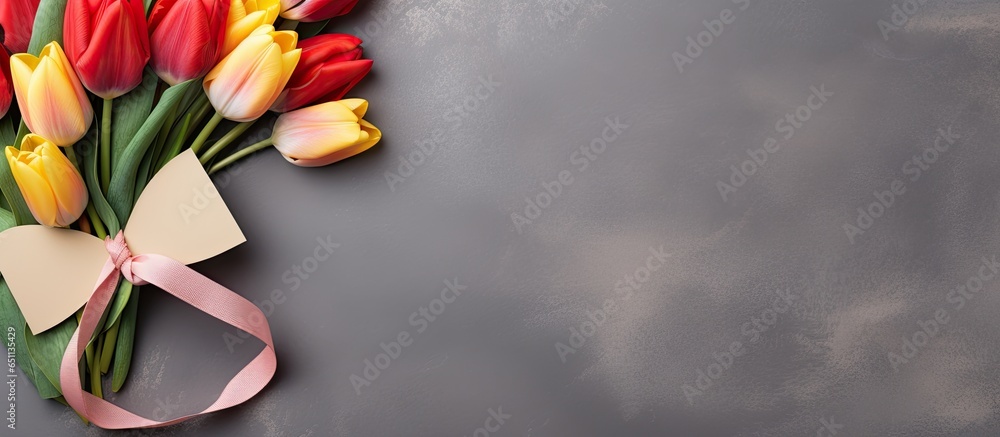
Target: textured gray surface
{"x": 564, "y": 68}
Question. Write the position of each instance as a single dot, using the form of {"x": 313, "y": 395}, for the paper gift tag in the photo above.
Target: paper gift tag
{"x": 52, "y": 272}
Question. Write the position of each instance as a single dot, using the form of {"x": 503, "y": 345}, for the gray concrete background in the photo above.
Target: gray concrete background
{"x": 564, "y": 67}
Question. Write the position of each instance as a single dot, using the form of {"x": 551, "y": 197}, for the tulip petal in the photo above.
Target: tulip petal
{"x": 48, "y": 92}
{"x": 317, "y": 131}
{"x": 316, "y": 10}
{"x": 372, "y": 136}
{"x": 187, "y": 39}
{"x": 245, "y": 17}
{"x": 22, "y": 66}
{"x": 315, "y": 141}
{"x": 16, "y": 18}
{"x": 239, "y": 30}
{"x": 112, "y": 61}
{"x": 34, "y": 188}
{"x": 358, "y": 106}
{"x": 51, "y": 186}
{"x": 246, "y": 80}
{"x": 288, "y": 62}
{"x": 77, "y": 28}
{"x": 328, "y": 83}
{"x": 286, "y": 39}
{"x": 56, "y": 52}
{"x": 67, "y": 185}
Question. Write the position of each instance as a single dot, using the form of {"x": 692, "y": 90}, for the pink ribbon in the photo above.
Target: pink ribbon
{"x": 187, "y": 285}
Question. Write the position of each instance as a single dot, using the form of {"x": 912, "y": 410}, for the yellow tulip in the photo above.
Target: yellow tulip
{"x": 323, "y": 134}
{"x": 52, "y": 100}
{"x": 248, "y": 81}
{"x": 245, "y": 16}
{"x": 50, "y": 184}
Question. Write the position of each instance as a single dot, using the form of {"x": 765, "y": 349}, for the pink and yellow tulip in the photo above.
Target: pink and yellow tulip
{"x": 326, "y": 133}
{"x": 50, "y": 96}
{"x": 48, "y": 181}
{"x": 248, "y": 81}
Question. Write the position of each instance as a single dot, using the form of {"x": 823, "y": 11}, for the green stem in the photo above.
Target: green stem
{"x": 110, "y": 341}
{"x": 226, "y": 140}
{"x": 95, "y": 221}
{"x": 182, "y": 131}
{"x": 95, "y": 370}
{"x": 174, "y": 148}
{"x": 204, "y": 105}
{"x": 22, "y": 131}
{"x": 241, "y": 154}
{"x": 203, "y": 136}
{"x": 89, "y": 353}
{"x": 106, "y": 146}
{"x": 288, "y": 25}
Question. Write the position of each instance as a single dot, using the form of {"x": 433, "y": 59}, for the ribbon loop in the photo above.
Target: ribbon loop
{"x": 187, "y": 285}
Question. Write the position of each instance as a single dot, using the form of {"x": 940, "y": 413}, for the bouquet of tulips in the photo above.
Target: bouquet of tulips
{"x": 166, "y": 75}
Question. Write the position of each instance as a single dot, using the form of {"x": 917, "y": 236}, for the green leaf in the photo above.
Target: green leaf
{"x": 126, "y": 339}
{"x": 48, "y": 25}
{"x": 7, "y": 132}
{"x": 307, "y": 30}
{"x": 46, "y": 389}
{"x": 6, "y": 220}
{"x": 130, "y": 111}
{"x": 22, "y": 215}
{"x": 10, "y": 317}
{"x": 145, "y": 172}
{"x": 47, "y": 349}
{"x": 121, "y": 193}
{"x": 87, "y": 148}
{"x": 22, "y": 131}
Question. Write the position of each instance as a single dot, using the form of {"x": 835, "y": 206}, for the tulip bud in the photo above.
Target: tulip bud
{"x": 16, "y": 20}
{"x": 315, "y": 10}
{"x": 330, "y": 66}
{"x": 326, "y": 133}
{"x": 186, "y": 37}
{"x": 6, "y": 85}
{"x": 50, "y": 184}
{"x": 108, "y": 42}
{"x": 248, "y": 81}
{"x": 245, "y": 16}
{"x": 52, "y": 101}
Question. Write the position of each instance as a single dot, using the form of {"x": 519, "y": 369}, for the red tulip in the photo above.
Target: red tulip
{"x": 315, "y": 10}
{"x": 6, "y": 85}
{"x": 186, "y": 37}
{"x": 16, "y": 19}
{"x": 330, "y": 66}
{"x": 107, "y": 41}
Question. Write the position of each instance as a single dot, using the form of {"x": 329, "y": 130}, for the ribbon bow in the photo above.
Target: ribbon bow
{"x": 165, "y": 241}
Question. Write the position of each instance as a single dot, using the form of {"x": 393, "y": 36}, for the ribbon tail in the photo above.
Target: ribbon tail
{"x": 198, "y": 291}
{"x": 223, "y": 304}
{"x": 69, "y": 372}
